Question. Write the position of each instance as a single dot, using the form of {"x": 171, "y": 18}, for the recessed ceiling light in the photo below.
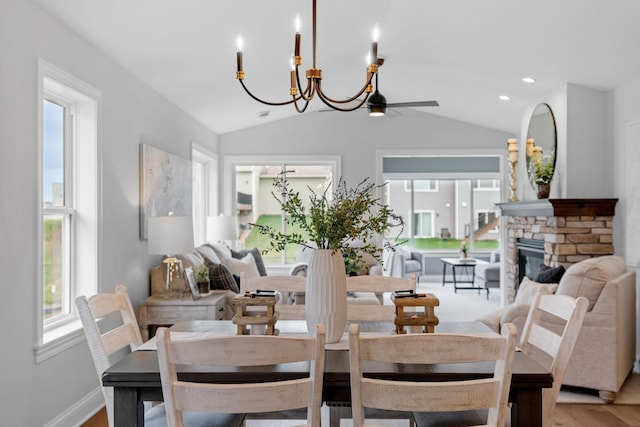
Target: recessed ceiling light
{"x": 528, "y": 80}
{"x": 504, "y": 98}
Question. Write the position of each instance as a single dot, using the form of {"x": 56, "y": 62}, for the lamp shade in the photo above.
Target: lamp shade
{"x": 221, "y": 228}
{"x": 170, "y": 235}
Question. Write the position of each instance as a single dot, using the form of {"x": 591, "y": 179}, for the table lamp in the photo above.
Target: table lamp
{"x": 222, "y": 228}
{"x": 169, "y": 236}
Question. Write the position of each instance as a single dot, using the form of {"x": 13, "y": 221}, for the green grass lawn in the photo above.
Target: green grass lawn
{"x": 257, "y": 240}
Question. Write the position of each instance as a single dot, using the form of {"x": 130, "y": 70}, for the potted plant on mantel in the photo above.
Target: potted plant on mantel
{"x": 543, "y": 171}
{"x": 332, "y": 222}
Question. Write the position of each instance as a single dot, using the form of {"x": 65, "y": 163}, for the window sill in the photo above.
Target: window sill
{"x": 58, "y": 340}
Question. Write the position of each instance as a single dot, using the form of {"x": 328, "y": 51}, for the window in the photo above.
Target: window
{"x": 449, "y": 198}
{"x": 205, "y": 194}
{"x": 68, "y": 199}
{"x": 422, "y": 223}
{"x": 421, "y": 185}
{"x": 250, "y": 194}
{"x": 487, "y": 184}
{"x": 487, "y": 219}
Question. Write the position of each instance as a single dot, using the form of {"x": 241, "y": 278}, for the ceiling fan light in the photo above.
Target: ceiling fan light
{"x": 377, "y": 104}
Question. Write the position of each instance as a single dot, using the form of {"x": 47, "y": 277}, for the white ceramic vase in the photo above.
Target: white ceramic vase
{"x": 326, "y": 293}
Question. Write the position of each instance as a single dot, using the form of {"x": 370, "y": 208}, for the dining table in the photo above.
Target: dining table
{"x": 136, "y": 377}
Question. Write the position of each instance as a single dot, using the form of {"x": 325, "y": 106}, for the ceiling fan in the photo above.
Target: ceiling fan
{"x": 377, "y": 104}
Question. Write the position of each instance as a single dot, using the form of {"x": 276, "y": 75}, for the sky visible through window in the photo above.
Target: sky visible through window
{"x": 53, "y": 157}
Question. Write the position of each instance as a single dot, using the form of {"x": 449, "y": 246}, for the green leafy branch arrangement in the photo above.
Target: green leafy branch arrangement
{"x": 334, "y": 220}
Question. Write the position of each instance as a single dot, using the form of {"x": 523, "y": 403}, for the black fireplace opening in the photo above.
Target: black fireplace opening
{"x": 530, "y": 258}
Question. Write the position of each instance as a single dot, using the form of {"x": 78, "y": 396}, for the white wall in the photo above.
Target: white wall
{"x": 624, "y": 104}
{"x": 582, "y": 149}
{"x": 35, "y": 394}
{"x": 356, "y": 137}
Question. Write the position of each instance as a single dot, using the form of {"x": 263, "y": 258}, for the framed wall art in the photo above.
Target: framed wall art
{"x": 165, "y": 185}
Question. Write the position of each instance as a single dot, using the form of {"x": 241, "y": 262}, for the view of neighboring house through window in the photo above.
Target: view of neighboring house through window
{"x": 255, "y": 203}
{"x": 69, "y": 197}
{"x": 446, "y": 200}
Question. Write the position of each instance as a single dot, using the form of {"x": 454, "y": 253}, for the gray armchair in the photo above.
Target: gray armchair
{"x": 402, "y": 262}
{"x": 488, "y": 275}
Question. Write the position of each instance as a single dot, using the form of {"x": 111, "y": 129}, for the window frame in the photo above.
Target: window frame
{"x": 209, "y": 162}
{"x": 82, "y": 204}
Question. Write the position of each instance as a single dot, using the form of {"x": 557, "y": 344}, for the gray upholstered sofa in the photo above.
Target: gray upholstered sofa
{"x": 605, "y": 352}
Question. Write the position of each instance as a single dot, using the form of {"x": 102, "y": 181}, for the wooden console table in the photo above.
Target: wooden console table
{"x": 165, "y": 310}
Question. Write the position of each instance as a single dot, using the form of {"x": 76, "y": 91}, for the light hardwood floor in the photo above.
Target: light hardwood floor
{"x": 564, "y": 416}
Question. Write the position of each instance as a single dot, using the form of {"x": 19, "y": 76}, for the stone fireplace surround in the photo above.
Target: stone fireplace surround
{"x": 572, "y": 230}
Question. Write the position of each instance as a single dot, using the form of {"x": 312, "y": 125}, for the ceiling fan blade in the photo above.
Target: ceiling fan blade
{"x": 391, "y": 113}
{"x": 413, "y": 104}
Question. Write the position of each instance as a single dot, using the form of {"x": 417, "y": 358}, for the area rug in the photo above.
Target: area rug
{"x": 629, "y": 394}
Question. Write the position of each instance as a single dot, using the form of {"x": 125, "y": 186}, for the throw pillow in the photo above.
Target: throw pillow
{"x": 246, "y": 265}
{"x": 587, "y": 278}
{"x": 207, "y": 252}
{"x": 222, "y": 250}
{"x": 550, "y": 275}
{"x": 257, "y": 256}
{"x": 220, "y": 278}
{"x": 528, "y": 290}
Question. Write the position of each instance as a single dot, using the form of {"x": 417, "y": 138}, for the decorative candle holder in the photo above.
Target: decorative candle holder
{"x": 512, "y": 180}
{"x": 512, "y": 148}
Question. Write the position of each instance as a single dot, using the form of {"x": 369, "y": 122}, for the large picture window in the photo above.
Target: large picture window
{"x": 450, "y": 199}
{"x": 254, "y": 203}
{"x": 68, "y": 200}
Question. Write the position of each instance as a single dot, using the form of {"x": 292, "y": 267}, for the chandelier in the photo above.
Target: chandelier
{"x": 300, "y": 98}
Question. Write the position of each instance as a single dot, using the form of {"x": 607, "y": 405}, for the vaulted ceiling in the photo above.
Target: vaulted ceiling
{"x": 462, "y": 53}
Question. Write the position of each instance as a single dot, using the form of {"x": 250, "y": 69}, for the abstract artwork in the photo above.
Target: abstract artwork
{"x": 165, "y": 185}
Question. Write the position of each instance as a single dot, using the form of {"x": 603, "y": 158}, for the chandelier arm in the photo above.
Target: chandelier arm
{"x": 329, "y": 103}
{"x": 298, "y": 109}
{"x": 266, "y": 102}
{"x": 353, "y": 98}
{"x": 307, "y": 93}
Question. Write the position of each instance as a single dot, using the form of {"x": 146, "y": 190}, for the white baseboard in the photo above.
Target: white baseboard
{"x": 79, "y": 412}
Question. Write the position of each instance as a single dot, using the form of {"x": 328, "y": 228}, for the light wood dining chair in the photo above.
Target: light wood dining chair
{"x": 409, "y": 396}
{"x": 549, "y": 336}
{"x": 239, "y": 351}
{"x": 115, "y": 310}
{"x": 377, "y": 285}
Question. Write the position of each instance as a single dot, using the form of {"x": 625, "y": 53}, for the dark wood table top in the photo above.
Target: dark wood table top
{"x": 140, "y": 368}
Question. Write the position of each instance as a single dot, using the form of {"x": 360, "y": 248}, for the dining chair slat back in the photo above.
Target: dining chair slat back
{"x": 242, "y": 397}
{"x": 549, "y": 336}
{"x": 103, "y": 345}
{"x": 491, "y": 393}
{"x": 378, "y": 285}
{"x": 286, "y": 285}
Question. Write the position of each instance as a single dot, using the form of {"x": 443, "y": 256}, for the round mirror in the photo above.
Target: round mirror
{"x": 541, "y": 146}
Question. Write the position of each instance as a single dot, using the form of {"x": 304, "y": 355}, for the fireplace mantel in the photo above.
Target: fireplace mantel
{"x": 559, "y": 207}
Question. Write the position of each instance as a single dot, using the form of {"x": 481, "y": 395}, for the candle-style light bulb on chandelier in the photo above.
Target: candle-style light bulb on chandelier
{"x": 300, "y": 97}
